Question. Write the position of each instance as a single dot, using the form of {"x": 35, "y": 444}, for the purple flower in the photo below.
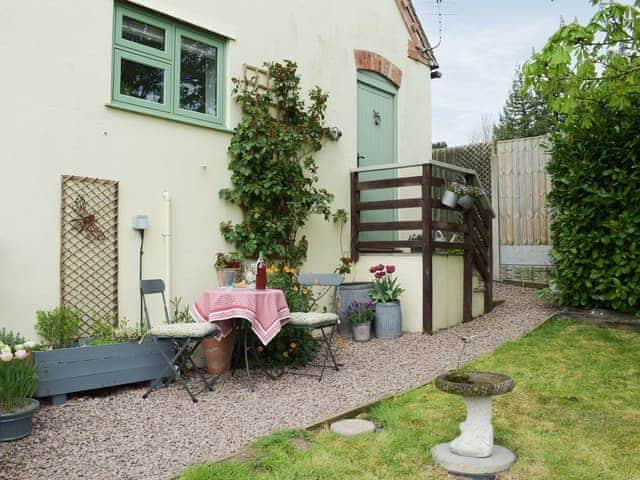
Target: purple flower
{"x": 391, "y": 268}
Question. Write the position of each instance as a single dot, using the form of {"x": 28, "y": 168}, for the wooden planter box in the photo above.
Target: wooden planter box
{"x": 78, "y": 369}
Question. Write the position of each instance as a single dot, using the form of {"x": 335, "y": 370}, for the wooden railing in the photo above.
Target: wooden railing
{"x": 474, "y": 227}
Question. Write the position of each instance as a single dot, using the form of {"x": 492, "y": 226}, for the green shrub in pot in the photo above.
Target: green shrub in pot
{"x": 59, "y": 327}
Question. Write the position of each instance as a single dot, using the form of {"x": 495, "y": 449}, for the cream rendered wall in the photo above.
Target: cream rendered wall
{"x": 446, "y": 281}
{"x": 55, "y": 84}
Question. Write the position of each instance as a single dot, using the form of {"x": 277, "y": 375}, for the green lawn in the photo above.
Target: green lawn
{"x": 574, "y": 414}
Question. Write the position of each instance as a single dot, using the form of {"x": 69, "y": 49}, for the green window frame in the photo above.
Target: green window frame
{"x": 166, "y": 58}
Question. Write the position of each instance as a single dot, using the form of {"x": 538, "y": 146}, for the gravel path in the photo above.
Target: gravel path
{"x": 119, "y": 435}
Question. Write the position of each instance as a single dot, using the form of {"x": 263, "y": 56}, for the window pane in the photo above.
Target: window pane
{"x": 198, "y": 73}
{"x": 141, "y": 81}
{"x": 143, "y": 33}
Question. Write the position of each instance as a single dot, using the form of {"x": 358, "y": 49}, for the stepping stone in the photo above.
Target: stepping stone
{"x": 352, "y": 426}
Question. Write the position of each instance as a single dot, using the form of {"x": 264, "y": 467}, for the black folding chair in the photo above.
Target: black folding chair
{"x": 185, "y": 338}
{"x": 325, "y": 322}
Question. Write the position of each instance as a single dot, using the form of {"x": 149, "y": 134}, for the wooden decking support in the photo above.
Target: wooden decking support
{"x": 427, "y": 257}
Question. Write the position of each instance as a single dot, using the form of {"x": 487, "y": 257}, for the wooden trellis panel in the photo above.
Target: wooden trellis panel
{"x": 89, "y": 247}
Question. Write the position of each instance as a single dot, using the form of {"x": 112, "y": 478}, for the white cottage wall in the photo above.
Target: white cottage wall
{"x": 57, "y": 58}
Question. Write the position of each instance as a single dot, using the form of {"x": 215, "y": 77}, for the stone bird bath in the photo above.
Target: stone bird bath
{"x": 473, "y": 452}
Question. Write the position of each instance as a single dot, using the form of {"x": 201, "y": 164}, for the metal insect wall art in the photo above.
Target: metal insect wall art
{"x": 85, "y": 221}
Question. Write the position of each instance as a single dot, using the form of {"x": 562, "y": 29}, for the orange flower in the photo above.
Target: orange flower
{"x": 285, "y": 354}
{"x": 305, "y": 290}
{"x": 260, "y": 348}
{"x": 293, "y": 345}
{"x": 295, "y": 288}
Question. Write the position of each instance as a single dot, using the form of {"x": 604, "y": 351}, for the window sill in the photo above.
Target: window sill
{"x": 167, "y": 116}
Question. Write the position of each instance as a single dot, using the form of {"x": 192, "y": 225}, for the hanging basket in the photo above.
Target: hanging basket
{"x": 466, "y": 201}
{"x": 449, "y": 198}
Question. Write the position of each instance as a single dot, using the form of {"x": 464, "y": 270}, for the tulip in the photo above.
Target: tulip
{"x": 380, "y": 267}
{"x": 391, "y": 268}
{"x": 5, "y": 349}
{"x": 29, "y": 344}
{"x": 6, "y": 356}
{"x": 21, "y": 354}
{"x": 373, "y": 269}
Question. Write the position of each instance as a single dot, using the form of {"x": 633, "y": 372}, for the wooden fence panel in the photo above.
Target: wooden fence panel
{"x": 523, "y": 223}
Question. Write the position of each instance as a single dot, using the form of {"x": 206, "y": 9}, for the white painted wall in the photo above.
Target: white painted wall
{"x": 55, "y": 84}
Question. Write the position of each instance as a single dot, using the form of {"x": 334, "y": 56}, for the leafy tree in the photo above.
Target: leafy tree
{"x": 439, "y": 145}
{"x": 273, "y": 171}
{"x": 524, "y": 114}
{"x": 589, "y": 75}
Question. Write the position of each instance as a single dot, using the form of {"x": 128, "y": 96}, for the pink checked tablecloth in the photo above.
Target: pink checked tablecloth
{"x": 266, "y": 310}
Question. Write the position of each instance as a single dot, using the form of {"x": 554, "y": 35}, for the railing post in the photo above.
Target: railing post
{"x": 467, "y": 277}
{"x": 355, "y": 216}
{"x": 488, "y": 283}
{"x": 427, "y": 253}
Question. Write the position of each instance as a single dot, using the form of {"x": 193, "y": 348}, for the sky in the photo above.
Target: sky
{"x": 482, "y": 43}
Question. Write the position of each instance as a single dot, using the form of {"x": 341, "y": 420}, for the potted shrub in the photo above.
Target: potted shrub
{"x": 115, "y": 355}
{"x": 385, "y": 293}
{"x": 228, "y": 268}
{"x": 360, "y": 315}
{"x": 18, "y": 382}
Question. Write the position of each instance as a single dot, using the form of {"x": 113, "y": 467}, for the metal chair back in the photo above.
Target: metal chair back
{"x": 152, "y": 287}
{"x": 329, "y": 280}
{"x": 320, "y": 279}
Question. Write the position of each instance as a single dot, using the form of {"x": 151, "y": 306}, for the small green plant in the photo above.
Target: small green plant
{"x": 385, "y": 287}
{"x": 59, "y": 327}
{"x": 18, "y": 378}
{"x": 292, "y": 348}
{"x": 228, "y": 260}
{"x": 107, "y": 330}
{"x": 360, "y": 312}
{"x": 179, "y": 314}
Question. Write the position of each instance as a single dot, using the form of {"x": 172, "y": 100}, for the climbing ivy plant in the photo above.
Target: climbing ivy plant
{"x": 274, "y": 174}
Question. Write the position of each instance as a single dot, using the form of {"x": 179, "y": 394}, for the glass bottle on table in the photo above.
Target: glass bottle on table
{"x": 261, "y": 273}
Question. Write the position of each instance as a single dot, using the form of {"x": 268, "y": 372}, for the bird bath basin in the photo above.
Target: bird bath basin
{"x": 473, "y": 451}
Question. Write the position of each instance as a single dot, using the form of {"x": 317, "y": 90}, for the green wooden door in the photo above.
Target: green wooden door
{"x": 376, "y": 144}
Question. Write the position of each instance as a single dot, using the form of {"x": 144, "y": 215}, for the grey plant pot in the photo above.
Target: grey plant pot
{"x": 346, "y": 294}
{"x": 466, "y": 201}
{"x": 449, "y": 199}
{"x": 16, "y": 425}
{"x": 388, "y": 320}
{"x": 361, "y": 331}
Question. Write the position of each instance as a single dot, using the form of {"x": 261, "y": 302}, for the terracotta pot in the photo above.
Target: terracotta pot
{"x": 218, "y": 353}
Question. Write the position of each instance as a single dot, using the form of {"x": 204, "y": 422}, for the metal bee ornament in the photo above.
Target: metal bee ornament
{"x": 85, "y": 221}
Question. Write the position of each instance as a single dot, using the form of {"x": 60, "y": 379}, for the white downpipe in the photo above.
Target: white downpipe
{"x": 166, "y": 236}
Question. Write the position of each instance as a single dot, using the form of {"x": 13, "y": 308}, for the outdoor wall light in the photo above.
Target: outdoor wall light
{"x": 140, "y": 222}
{"x": 335, "y": 133}
{"x": 436, "y": 74}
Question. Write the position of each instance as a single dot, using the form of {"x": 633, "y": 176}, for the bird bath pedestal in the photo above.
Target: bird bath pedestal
{"x": 473, "y": 453}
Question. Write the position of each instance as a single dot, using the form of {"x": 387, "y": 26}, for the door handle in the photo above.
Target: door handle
{"x": 360, "y": 157}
